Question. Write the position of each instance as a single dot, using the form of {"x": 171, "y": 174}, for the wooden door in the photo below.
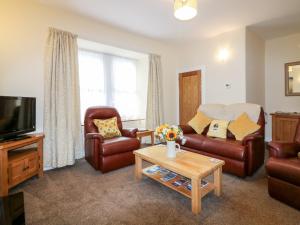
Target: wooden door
{"x": 189, "y": 95}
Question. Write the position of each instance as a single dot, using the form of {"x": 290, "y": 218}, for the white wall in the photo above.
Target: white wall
{"x": 24, "y": 26}
{"x": 255, "y": 69}
{"x": 203, "y": 54}
{"x": 278, "y": 52}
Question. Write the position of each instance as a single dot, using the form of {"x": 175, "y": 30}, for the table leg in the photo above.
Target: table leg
{"x": 3, "y": 173}
{"x": 152, "y": 138}
{"x": 40, "y": 154}
{"x": 138, "y": 168}
{"x": 196, "y": 196}
{"x": 218, "y": 181}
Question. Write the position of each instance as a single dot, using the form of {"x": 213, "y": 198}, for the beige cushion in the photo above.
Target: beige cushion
{"x": 108, "y": 128}
{"x": 242, "y": 126}
{"x": 199, "y": 122}
{"x": 218, "y": 128}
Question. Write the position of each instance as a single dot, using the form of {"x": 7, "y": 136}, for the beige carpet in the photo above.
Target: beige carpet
{"x": 81, "y": 195}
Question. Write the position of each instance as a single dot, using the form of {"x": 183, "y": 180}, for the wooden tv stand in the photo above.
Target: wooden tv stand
{"x": 20, "y": 160}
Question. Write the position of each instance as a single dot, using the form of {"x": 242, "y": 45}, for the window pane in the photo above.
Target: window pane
{"x": 91, "y": 77}
{"x": 124, "y": 96}
{"x": 124, "y": 74}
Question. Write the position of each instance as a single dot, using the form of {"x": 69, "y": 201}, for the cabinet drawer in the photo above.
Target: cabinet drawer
{"x": 21, "y": 166}
{"x": 16, "y": 172}
{"x": 32, "y": 165}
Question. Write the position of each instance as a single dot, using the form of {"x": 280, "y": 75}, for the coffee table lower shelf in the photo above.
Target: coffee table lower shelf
{"x": 191, "y": 165}
{"x": 181, "y": 189}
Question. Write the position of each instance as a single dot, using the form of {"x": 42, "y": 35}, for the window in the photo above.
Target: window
{"x": 112, "y": 81}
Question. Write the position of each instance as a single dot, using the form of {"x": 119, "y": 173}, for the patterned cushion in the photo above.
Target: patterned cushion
{"x": 108, "y": 128}
{"x": 218, "y": 128}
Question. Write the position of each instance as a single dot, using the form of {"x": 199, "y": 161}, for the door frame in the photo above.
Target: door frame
{"x": 202, "y": 69}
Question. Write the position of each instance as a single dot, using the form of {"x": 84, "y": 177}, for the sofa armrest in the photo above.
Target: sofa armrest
{"x": 129, "y": 132}
{"x": 92, "y": 136}
{"x": 93, "y": 143}
{"x": 255, "y": 145}
{"x": 186, "y": 129}
{"x": 251, "y": 137}
{"x": 283, "y": 149}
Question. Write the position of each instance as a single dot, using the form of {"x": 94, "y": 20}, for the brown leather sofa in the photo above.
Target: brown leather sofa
{"x": 283, "y": 168}
{"x": 242, "y": 158}
{"x": 112, "y": 153}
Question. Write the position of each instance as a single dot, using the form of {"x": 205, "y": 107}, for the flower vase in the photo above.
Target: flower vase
{"x": 172, "y": 149}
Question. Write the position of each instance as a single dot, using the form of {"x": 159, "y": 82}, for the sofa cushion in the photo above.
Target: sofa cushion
{"x": 194, "y": 141}
{"x": 285, "y": 169}
{"x": 218, "y": 128}
{"x": 199, "y": 122}
{"x": 224, "y": 147}
{"x": 242, "y": 126}
{"x": 118, "y": 145}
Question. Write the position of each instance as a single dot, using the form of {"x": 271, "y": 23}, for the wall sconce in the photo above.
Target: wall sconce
{"x": 223, "y": 54}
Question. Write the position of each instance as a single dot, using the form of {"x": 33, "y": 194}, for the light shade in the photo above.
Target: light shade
{"x": 185, "y": 9}
{"x": 223, "y": 54}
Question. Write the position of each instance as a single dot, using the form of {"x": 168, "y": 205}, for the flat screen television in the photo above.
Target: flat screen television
{"x": 17, "y": 116}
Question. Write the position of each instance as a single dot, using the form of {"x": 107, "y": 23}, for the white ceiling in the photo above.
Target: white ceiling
{"x": 154, "y": 18}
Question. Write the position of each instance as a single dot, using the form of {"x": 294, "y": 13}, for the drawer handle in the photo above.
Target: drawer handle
{"x": 25, "y": 168}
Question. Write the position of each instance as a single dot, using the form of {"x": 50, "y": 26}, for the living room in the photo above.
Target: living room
{"x": 240, "y": 49}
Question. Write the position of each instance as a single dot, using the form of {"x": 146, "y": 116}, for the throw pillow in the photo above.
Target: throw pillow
{"x": 108, "y": 128}
{"x": 243, "y": 126}
{"x": 218, "y": 128}
{"x": 199, "y": 122}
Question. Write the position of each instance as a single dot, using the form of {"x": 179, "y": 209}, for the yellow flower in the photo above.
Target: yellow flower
{"x": 171, "y": 135}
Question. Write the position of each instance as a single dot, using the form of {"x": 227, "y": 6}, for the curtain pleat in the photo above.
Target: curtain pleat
{"x": 154, "y": 115}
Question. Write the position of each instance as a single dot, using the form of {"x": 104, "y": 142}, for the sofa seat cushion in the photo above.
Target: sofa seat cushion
{"x": 119, "y": 145}
{"x": 194, "y": 141}
{"x": 287, "y": 169}
{"x": 229, "y": 148}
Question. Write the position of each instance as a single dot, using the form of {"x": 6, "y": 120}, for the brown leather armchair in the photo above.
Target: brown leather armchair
{"x": 283, "y": 168}
{"x": 111, "y": 153}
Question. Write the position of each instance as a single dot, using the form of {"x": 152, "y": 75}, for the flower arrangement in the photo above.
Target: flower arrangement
{"x": 165, "y": 132}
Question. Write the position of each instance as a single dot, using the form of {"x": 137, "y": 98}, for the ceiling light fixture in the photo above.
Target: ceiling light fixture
{"x": 185, "y": 9}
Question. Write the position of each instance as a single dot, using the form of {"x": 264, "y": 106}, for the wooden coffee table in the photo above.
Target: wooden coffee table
{"x": 188, "y": 164}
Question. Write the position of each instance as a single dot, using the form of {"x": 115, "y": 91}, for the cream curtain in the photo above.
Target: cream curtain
{"x": 154, "y": 113}
{"x": 62, "y": 103}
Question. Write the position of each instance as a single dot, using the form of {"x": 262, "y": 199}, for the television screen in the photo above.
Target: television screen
{"x": 17, "y": 116}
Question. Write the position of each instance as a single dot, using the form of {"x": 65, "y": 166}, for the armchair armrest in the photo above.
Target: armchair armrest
{"x": 283, "y": 149}
{"x": 129, "y": 132}
{"x": 251, "y": 137}
{"x": 186, "y": 129}
{"x": 91, "y": 136}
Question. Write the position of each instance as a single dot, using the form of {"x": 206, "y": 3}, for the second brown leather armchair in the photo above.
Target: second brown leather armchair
{"x": 112, "y": 153}
{"x": 283, "y": 168}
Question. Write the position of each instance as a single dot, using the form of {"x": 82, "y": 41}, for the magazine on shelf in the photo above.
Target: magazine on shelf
{"x": 189, "y": 185}
{"x": 153, "y": 169}
{"x": 163, "y": 171}
{"x": 180, "y": 182}
{"x": 169, "y": 176}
